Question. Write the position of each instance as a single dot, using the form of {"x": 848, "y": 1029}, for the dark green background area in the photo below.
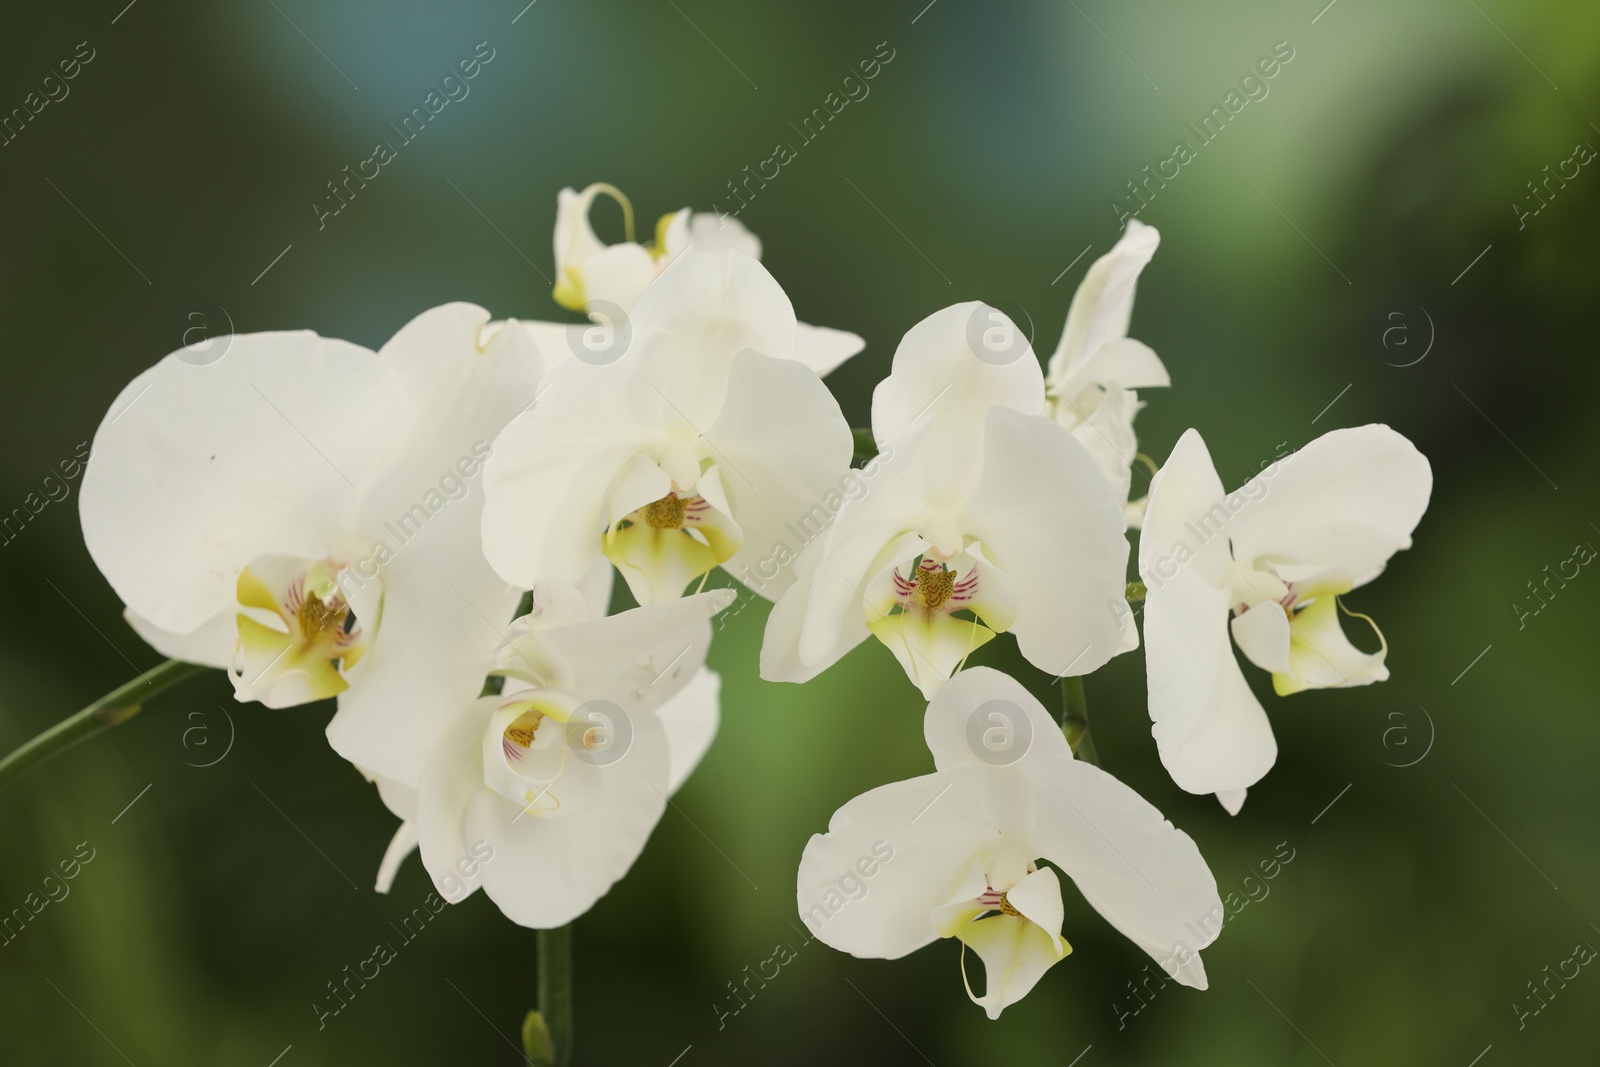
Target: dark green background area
{"x": 1387, "y": 155}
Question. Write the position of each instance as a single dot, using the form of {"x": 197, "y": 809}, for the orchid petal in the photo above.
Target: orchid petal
{"x": 930, "y": 645}
{"x": 1103, "y": 304}
{"x": 1231, "y": 799}
{"x": 713, "y": 305}
{"x": 444, "y": 610}
{"x": 587, "y": 268}
{"x": 982, "y": 699}
{"x": 1351, "y": 499}
{"x": 1144, "y": 876}
{"x": 549, "y": 480}
{"x": 945, "y": 373}
{"x": 547, "y": 871}
{"x": 1128, "y": 363}
{"x": 917, "y": 837}
{"x": 544, "y": 869}
{"x": 197, "y": 470}
{"x": 657, "y": 564}
{"x": 691, "y": 717}
{"x": 1101, "y": 420}
{"x": 1210, "y": 730}
{"x": 1320, "y": 656}
{"x": 823, "y": 349}
{"x": 783, "y": 452}
{"x": 863, "y": 540}
{"x": 1016, "y": 953}
{"x": 780, "y": 645}
{"x": 615, "y": 277}
{"x": 212, "y": 644}
{"x": 708, "y": 232}
{"x": 402, "y": 845}
{"x": 1047, "y": 519}
{"x": 637, "y": 659}
{"x": 1180, "y": 494}
{"x": 1018, "y": 949}
{"x": 1263, "y": 635}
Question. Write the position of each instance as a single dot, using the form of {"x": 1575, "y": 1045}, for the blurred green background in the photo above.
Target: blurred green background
{"x": 1386, "y": 157}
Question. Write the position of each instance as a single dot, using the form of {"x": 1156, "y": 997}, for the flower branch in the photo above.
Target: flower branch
{"x": 111, "y": 710}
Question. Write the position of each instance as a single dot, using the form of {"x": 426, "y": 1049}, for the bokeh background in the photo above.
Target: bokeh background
{"x": 1313, "y": 255}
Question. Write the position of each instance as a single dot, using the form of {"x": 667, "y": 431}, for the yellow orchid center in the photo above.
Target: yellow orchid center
{"x": 298, "y": 637}
{"x": 666, "y": 513}
{"x": 320, "y": 619}
{"x": 528, "y": 752}
{"x": 934, "y": 585}
{"x": 666, "y": 544}
{"x": 932, "y": 616}
{"x": 519, "y": 734}
{"x": 1016, "y": 950}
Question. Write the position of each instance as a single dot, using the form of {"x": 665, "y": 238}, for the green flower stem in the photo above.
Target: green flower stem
{"x": 550, "y": 1028}
{"x": 494, "y": 683}
{"x": 865, "y": 446}
{"x": 1075, "y": 720}
{"x": 1135, "y": 592}
{"x": 113, "y": 709}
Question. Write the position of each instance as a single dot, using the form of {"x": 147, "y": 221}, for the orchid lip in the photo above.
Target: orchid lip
{"x": 526, "y": 753}
{"x": 298, "y": 634}
{"x": 669, "y": 542}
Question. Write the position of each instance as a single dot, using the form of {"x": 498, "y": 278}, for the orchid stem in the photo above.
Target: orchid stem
{"x": 864, "y": 444}
{"x": 1075, "y": 720}
{"x": 554, "y": 1016}
{"x": 113, "y": 709}
{"x": 1135, "y": 592}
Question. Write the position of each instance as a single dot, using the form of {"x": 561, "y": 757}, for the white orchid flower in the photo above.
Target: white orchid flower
{"x": 691, "y": 449}
{"x": 560, "y": 780}
{"x": 965, "y": 846}
{"x": 1276, "y": 554}
{"x": 607, "y": 280}
{"x": 1097, "y": 366}
{"x": 982, "y": 516}
{"x": 303, "y": 512}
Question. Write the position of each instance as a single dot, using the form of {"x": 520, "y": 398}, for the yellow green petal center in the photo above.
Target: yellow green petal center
{"x": 934, "y": 585}
{"x": 666, "y": 544}
{"x": 666, "y": 513}
{"x": 298, "y": 638}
